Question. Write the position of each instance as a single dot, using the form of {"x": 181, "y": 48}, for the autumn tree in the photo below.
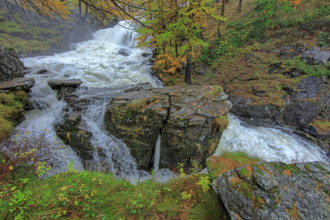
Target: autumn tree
{"x": 176, "y": 33}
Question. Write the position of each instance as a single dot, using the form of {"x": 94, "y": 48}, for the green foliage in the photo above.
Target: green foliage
{"x": 268, "y": 9}
{"x": 204, "y": 182}
{"x": 311, "y": 70}
{"x": 210, "y": 208}
{"x": 231, "y": 43}
{"x": 11, "y": 106}
{"x": 90, "y": 195}
{"x": 180, "y": 168}
{"x": 71, "y": 167}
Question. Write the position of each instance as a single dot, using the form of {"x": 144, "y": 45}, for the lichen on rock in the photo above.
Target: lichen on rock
{"x": 276, "y": 191}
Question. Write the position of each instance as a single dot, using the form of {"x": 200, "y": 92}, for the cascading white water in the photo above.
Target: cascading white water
{"x": 157, "y": 154}
{"x": 107, "y": 65}
{"x": 268, "y": 144}
{"x": 39, "y": 123}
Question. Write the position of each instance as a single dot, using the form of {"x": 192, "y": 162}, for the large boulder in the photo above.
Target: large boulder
{"x": 10, "y": 65}
{"x": 190, "y": 120}
{"x": 74, "y": 132}
{"x": 276, "y": 191}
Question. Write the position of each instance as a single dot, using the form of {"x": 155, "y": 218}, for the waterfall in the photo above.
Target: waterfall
{"x": 157, "y": 154}
{"x": 107, "y": 64}
{"x": 268, "y": 144}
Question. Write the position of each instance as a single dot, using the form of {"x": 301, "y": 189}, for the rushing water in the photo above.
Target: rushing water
{"x": 108, "y": 64}
{"x": 157, "y": 154}
{"x": 268, "y": 144}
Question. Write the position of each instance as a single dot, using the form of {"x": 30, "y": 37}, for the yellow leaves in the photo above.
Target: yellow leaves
{"x": 11, "y": 168}
{"x": 167, "y": 63}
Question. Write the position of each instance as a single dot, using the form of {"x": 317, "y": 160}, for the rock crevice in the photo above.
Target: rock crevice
{"x": 186, "y": 117}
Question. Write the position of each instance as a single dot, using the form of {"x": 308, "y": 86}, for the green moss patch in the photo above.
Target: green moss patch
{"x": 11, "y": 106}
{"x": 227, "y": 161}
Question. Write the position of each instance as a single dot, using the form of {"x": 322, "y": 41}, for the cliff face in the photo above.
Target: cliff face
{"x": 190, "y": 119}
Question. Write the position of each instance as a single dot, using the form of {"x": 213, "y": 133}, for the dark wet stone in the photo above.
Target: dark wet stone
{"x": 57, "y": 83}
{"x": 124, "y": 52}
{"x": 10, "y": 65}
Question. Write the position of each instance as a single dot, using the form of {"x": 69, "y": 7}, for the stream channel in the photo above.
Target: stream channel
{"x": 108, "y": 64}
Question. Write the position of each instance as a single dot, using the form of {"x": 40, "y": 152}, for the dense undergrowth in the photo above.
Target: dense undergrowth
{"x": 92, "y": 195}
{"x": 24, "y": 194}
{"x": 240, "y": 60}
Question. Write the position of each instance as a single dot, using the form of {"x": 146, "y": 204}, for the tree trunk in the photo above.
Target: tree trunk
{"x": 240, "y": 6}
{"x": 86, "y": 10}
{"x": 79, "y": 7}
{"x": 219, "y": 33}
{"x": 176, "y": 48}
{"x": 223, "y": 8}
{"x": 187, "y": 76}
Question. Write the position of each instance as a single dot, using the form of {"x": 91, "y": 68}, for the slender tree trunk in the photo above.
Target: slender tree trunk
{"x": 219, "y": 33}
{"x": 79, "y": 7}
{"x": 240, "y": 6}
{"x": 86, "y": 10}
{"x": 187, "y": 76}
{"x": 176, "y": 48}
{"x": 223, "y": 8}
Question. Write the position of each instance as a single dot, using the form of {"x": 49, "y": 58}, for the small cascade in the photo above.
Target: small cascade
{"x": 268, "y": 144}
{"x": 110, "y": 154}
{"x": 39, "y": 123}
{"x": 157, "y": 154}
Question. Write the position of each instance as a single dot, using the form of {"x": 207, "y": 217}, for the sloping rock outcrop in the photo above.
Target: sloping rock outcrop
{"x": 18, "y": 84}
{"x": 276, "y": 191}
{"x": 10, "y": 65}
{"x": 190, "y": 119}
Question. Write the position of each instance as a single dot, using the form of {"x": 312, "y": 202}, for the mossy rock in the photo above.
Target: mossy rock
{"x": 217, "y": 165}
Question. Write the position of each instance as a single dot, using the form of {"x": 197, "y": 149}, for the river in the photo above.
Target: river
{"x": 107, "y": 65}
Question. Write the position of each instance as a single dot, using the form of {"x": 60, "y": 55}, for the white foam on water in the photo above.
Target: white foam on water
{"x": 268, "y": 144}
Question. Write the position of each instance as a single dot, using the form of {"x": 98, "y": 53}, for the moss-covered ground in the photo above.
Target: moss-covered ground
{"x": 11, "y": 109}
{"x": 25, "y": 38}
{"x": 90, "y": 195}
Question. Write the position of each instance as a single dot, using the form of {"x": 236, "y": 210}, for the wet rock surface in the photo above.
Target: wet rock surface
{"x": 303, "y": 103}
{"x": 18, "y": 84}
{"x": 10, "y": 65}
{"x": 190, "y": 119}
{"x": 74, "y": 132}
{"x": 276, "y": 191}
{"x": 57, "y": 83}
